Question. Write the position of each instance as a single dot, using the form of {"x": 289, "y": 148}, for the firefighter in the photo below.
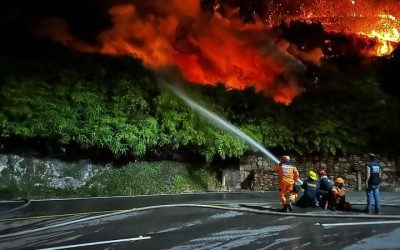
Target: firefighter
{"x": 288, "y": 174}
{"x": 324, "y": 190}
{"x": 372, "y": 180}
{"x": 337, "y": 200}
{"x": 310, "y": 186}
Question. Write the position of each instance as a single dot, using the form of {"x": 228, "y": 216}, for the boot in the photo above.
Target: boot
{"x": 290, "y": 206}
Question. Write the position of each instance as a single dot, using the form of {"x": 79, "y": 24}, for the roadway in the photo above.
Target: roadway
{"x": 245, "y": 220}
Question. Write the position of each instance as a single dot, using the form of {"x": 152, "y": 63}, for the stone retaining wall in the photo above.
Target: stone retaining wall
{"x": 257, "y": 171}
{"x": 54, "y": 173}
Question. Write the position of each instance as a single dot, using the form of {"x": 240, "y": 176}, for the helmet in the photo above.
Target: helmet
{"x": 313, "y": 175}
{"x": 339, "y": 180}
{"x": 322, "y": 172}
{"x": 286, "y": 158}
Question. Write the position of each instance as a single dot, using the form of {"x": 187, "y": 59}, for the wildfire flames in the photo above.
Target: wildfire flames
{"x": 217, "y": 46}
{"x": 387, "y": 35}
{"x": 370, "y": 18}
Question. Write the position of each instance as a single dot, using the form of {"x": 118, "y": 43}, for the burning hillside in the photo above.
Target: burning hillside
{"x": 233, "y": 42}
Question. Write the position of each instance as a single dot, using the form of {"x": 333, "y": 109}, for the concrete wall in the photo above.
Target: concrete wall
{"x": 351, "y": 168}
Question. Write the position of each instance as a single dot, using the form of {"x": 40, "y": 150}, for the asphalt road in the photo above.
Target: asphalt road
{"x": 247, "y": 220}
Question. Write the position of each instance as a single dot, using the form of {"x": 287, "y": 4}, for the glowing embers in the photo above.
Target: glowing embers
{"x": 386, "y": 31}
{"x": 386, "y": 41}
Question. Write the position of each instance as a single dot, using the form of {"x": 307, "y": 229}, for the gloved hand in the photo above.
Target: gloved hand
{"x": 299, "y": 182}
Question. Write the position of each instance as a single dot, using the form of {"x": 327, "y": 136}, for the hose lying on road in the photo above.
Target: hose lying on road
{"x": 27, "y": 203}
{"x": 353, "y": 216}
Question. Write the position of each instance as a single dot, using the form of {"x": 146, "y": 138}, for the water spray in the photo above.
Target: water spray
{"x": 218, "y": 120}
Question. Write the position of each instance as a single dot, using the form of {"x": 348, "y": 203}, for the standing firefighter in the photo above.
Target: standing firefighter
{"x": 288, "y": 174}
{"x": 372, "y": 181}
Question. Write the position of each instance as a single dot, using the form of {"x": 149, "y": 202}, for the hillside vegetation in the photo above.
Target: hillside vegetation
{"x": 113, "y": 105}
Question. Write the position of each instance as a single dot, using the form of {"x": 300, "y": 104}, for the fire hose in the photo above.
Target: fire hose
{"x": 27, "y": 203}
{"x": 363, "y": 216}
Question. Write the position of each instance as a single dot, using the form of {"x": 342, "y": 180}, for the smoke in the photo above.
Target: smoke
{"x": 208, "y": 48}
{"x": 57, "y": 29}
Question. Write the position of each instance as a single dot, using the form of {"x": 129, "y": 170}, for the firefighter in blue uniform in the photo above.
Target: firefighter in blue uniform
{"x": 324, "y": 191}
{"x": 372, "y": 181}
{"x": 310, "y": 186}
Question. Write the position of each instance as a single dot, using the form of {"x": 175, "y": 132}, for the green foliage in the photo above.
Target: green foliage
{"x": 179, "y": 126}
{"x": 152, "y": 178}
{"x": 68, "y": 107}
{"x": 112, "y": 103}
{"x": 134, "y": 179}
{"x": 223, "y": 145}
{"x": 31, "y": 188}
{"x": 340, "y": 117}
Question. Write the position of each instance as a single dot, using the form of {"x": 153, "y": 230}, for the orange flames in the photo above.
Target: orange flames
{"x": 387, "y": 34}
{"x": 371, "y": 18}
{"x": 207, "y": 50}
{"x": 220, "y": 48}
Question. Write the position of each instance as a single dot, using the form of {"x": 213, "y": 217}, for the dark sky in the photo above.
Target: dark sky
{"x": 84, "y": 17}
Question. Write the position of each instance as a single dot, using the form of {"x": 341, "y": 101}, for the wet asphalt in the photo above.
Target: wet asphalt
{"x": 245, "y": 220}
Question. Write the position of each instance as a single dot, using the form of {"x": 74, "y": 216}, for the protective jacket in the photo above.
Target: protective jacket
{"x": 325, "y": 184}
{"x": 374, "y": 169}
{"x": 324, "y": 191}
{"x": 338, "y": 199}
{"x": 309, "y": 197}
{"x": 288, "y": 173}
{"x": 310, "y": 188}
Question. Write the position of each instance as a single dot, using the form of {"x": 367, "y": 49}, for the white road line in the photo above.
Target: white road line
{"x": 143, "y": 195}
{"x": 97, "y": 243}
{"x": 361, "y": 223}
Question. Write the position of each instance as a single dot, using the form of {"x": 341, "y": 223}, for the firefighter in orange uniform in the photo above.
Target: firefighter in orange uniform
{"x": 288, "y": 174}
{"x": 337, "y": 199}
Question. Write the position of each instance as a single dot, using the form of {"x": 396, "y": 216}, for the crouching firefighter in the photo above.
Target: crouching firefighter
{"x": 309, "y": 198}
{"x": 288, "y": 174}
{"x": 337, "y": 199}
{"x": 325, "y": 189}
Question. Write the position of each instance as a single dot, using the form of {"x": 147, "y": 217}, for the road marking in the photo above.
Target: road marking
{"x": 361, "y": 223}
{"x": 247, "y": 203}
{"x": 97, "y": 243}
{"x": 154, "y": 195}
{"x": 105, "y": 212}
{"x": 137, "y": 210}
{"x": 59, "y": 215}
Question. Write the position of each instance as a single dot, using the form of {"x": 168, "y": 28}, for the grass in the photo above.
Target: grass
{"x": 141, "y": 178}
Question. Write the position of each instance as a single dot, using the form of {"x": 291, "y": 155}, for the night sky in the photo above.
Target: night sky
{"x": 85, "y": 18}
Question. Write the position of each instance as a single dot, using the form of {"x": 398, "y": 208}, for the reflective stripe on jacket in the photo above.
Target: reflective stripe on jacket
{"x": 287, "y": 172}
{"x": 310, "y": 188}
